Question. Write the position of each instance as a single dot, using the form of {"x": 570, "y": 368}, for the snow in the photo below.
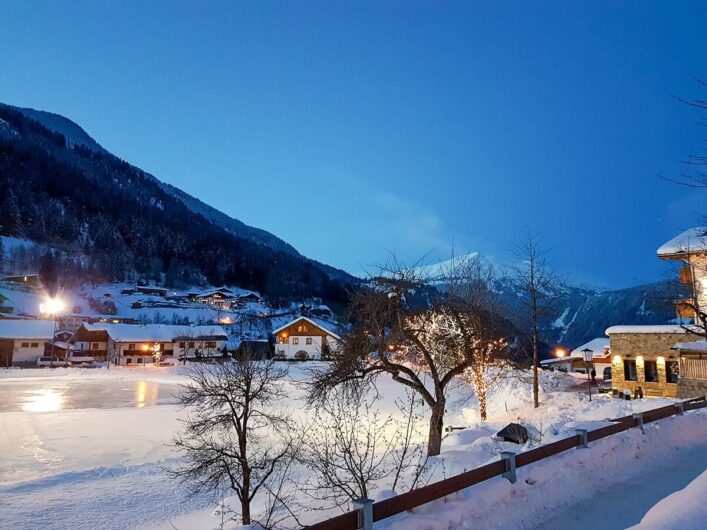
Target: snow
{"x": 685, "y": 509}
{"x": 598, "y": 346}
{"x": 698, "y": 347}
{"x": 694, "y": 239}
{"x": 155, "y": 332}
{"x": 101, "y": 463}
{"x": 645, "y": 329}
{"x": 26, "y": 329}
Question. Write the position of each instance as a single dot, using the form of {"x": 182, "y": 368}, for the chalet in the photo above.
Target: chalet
{"x": 151, "y": 290}
{"x": 250, "y": 297}
{"x": 574, "y": 362}
{"x": 129, "y": 344}
{"x": 643, "y": 356}
{"x": 219, "y": 298}
{"x": 650, "y": 358}
{"x": 304, "y": 338}
{"x": 23, "y": 341}
{"x": 29, "y": 281}
{"x": 690, "y": 250}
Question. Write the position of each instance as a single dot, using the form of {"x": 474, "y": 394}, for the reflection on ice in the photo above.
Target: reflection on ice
{"x": 43, "y": 400}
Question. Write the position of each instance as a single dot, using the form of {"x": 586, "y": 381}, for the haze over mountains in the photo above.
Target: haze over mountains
{"x": 112, "y": 221}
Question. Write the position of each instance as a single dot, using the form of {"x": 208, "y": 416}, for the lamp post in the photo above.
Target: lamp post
{"x": 52, "y": 306}
{"x": 588, "y": 355}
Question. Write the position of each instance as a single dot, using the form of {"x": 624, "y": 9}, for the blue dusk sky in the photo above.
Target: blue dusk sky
{"x": 355, "y": 129}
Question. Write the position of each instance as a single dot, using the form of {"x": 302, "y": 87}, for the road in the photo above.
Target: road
{"x": 624, "y": 504}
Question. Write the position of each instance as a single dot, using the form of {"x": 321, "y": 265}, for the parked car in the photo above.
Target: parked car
{"x": 51, "y": 362}
{"x": 84, "y": 361}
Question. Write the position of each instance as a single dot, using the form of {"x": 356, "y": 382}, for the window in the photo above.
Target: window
{"x": 25, "y": 344}
{"x": 650, "y": 370}
{"x": 309, "y": 340}
{"x": 182, "y": 344}
{"x": 131, "y": 347}
{"x": 139, "y": 360}
{"x": 94, "y": 345}
{"x": 128, "y": 361}
{"x": 295, "y": 340}
{"x": 210, "y": 344}
{"x": 302, "y": 328}
{"x": 191, "y": 344}
{"x": 630, "y": 373}
{"x": 671, "y": 372}
{"x": 35, "y": 345}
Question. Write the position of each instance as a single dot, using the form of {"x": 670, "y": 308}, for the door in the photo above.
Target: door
{"x": 6, "y": 352}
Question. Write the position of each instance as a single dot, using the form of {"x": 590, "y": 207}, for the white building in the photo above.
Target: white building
{"x": 132, "y": 344}
{"x": 23, "y": 341}
{"x": 304, "y": 338}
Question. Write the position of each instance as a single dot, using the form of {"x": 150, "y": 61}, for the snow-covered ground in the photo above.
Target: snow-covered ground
{"x": 98, "y": 461}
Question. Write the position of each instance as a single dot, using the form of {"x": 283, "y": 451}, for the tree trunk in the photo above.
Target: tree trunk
{"x": 536, "y": 398}
{"x": 434, "y": 442}
{"x": 482, "y": 404}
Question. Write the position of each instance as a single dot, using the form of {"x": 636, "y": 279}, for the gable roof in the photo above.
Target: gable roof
{"x": 692, "y": 241}
{"x": 598, "y": 346}
{"x": 319, "y": 324}
{"x": 157, "y": 332}
{"x": 26, "y": 329}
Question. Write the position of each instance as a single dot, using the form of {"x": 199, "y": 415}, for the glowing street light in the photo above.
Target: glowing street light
{"x": 52, "y": 306}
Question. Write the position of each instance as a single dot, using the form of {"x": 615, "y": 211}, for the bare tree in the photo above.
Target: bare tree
{"x": 422, "y": 336}
{"x": 235, "y": 433}
{"x": 348, "y": 447}
{"x": 540, "y": 288}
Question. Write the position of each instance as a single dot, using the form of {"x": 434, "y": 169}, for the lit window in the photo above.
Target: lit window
{"x": 131, "y": 347}
{"x": 295, "y": 340}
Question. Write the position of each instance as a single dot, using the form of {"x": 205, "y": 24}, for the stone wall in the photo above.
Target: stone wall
{"x": 690, "y": 388}
{"x": 642, "y": 347}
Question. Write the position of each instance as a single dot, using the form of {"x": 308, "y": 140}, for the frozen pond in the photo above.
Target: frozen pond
{"x": 45, "y": 395}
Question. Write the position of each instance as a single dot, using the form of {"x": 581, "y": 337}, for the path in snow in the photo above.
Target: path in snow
{"x": 624, "y": 504}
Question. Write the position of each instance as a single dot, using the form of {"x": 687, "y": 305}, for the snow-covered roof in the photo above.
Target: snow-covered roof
{"x": 646, "y": 329}
{"x": 318, "y": 322}
{"x": 219, "y": 290}
{"x": 598, "y": 346}
{"x": 156, "y": 332}
{"x": 690, "y": 241}
{"x": 557, "y": 360}
{"x": 26, "y": 329}
{"x": 698, "y": 347}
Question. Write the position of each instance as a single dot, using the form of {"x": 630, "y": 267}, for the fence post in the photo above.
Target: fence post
{"x": 681, "y": 408}
{"x": 639, "y": 417}
{"x": 364, "y": 507}
{"x": 510, "y": 458}
{"x": 583, "y": 436}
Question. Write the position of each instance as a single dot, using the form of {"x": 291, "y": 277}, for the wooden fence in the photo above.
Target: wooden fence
{"x": 505, "y": 467}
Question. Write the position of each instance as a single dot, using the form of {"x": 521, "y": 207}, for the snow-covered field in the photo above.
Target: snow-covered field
{"x": 99, "y": 461}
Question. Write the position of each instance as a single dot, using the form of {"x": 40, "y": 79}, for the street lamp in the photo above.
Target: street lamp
{"x": 52, "y": 306}
{"x": 588, "y": 355}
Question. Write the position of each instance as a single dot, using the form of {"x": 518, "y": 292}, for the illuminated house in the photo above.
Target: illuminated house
{"x": 690, "y": 249}
{"x": 23, "y": 341}
{"x": 129, "y": 344}
{"x": 669, "y": 360}
{"x": 304, "y": 338}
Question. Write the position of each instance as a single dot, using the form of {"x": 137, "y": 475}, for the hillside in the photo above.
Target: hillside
{"x": 115, "y": 221}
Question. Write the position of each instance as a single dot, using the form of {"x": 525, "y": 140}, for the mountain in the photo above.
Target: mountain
{"x": 110, "y": 220}
{"x": 578, "y": 314}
